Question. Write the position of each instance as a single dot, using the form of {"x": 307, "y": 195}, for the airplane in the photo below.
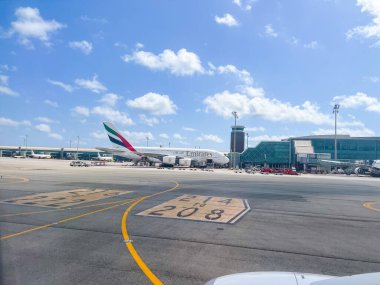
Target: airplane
{"x": 39, "y": 156}
{"x": 184, "y": 157}
{"x": 360, "y": 168}
{"x": 103, "y": 158}
{"x": 294, "y": 278}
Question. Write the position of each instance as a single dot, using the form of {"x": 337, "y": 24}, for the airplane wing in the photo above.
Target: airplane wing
{"x": 336, "y": 162}
{"x": 111, "y": 150}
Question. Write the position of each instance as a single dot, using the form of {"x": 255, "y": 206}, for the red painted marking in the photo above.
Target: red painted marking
{"x": 126, "y": 143}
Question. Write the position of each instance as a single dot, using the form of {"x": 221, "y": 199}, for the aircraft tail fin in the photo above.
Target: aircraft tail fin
{"x": 116, "y": 138}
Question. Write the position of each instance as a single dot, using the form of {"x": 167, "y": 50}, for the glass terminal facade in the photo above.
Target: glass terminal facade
{"x": 278, "y": 154}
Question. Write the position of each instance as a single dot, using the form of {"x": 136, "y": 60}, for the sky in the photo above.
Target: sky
{"x": 174, "y": 71}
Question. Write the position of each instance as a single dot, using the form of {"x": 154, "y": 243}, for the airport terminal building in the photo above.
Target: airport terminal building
{"x": 55, "y": 152}
{"x": 308, "y": 152}
{"x": 304, "y": 153}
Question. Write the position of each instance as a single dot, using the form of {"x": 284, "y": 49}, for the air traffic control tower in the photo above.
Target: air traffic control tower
{"x": 237, "y": 139}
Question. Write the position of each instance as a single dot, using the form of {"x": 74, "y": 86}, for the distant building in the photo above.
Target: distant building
{"x": 308, "y": 152}
{"x": 237, "y": 133}
{"x": 55, "y": 152}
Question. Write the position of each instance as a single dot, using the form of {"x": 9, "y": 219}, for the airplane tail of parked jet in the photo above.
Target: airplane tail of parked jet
{"x": 118, "y": 141}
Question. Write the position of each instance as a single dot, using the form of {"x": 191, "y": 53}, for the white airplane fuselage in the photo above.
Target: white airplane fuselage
{"x": 197, "y": 155}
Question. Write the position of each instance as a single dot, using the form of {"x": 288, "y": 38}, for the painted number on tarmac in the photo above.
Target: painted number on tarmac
{"x": 201, "y": 208}
{"x": 65, "y": 198}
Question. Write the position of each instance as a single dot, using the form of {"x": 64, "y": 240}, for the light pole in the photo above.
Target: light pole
{"x": 147, "y": 141}
{"x": 247, "y": 138}
{"x": 26, "y": 144}
{"x": 78, "y": 148}
{"x": 336, "y": 111}
{"x": 234, "y": 113}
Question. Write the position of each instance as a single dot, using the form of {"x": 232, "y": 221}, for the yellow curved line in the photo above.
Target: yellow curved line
{"x": 23, "y": 180}
{"x": 369, "y": 205}
{"x": 61, "y": 221}
{"x": 148, "y": 273}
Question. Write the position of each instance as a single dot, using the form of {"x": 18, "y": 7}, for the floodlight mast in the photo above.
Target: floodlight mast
{"x": 234, "y": 113}
{"x": 336, "y": 111}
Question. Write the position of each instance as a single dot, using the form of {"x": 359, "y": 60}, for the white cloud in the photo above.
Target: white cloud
{"x": 99, "y": 135}
{"x": 294, "y": 41}
{"x": 357, "y": 132}
{"x": 164, "y": 136}
{"x": 139, "y": 46}
{"x": 136, "y": 137}
{"x": 227, "y": 20}
{"x": 4, "y": 89}
{"x": 255, "y": 129}
{"x": 83, "y": 46}
{"x": 51, "y": 103}
{"x": 120, "y": 44}
{"x": 30, "y": 25}
{"x": 86, "y": 18}
{"x": 244, "y": 4}
{"x": 270, "y": 109}
{"x": 148, "y": 121}
{"x": 12, "y": 123}
{"x": 179, "y": 137}
{"x": 374, "y": 79}
{"x": 188, "y": 129}
{"x": 45, "y": 120}
{"x": 112, "y": 115}
{"x": 7, "y": 67}
{"x": 360, "y": 99}
{"x": 7, "y": 91}
{"x": 4, "y": 79}
{"x": 55, "y": 136}
{"x": 210, "y": 138}
{"x": 371, "y": 30}
{"x": 43, "y": 128}
{"x": 311, "y": 45}
{"x": 91, "y": 84}
{"x": 47, "y": 129}
{"x": 270, "y": 32}
{"x": 237, "y": 2}
{"x": 110, "y": 99}
{"x": 108, "y": 112}
{"x": 80, "y": 110}
{"x": 243, "y": 74}
{"x": 154, "y": 103}
{"x": 261, "y": 138}
{"x": 181, "y": 63}
{"x": 66, "y": 87}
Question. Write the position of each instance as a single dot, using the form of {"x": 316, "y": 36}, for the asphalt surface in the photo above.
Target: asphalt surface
{"x": 314, "y": 224}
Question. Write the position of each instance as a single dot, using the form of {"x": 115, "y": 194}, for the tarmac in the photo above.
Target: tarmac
{"x": 122, "y": 225}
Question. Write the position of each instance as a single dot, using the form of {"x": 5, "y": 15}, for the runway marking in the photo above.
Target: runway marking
{"x": 370, "y": 206}
{"x": 144, "y": 268}
{"x": 66, "y": 198}
{"x": 22, "y": 180}
{"x": 62, "y": 221}
{"x": 201, "y": 208}
{"x": 63, "y": 209}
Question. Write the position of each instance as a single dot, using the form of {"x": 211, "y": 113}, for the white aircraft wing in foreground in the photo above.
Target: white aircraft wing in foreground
{"x": 293, "y": 278}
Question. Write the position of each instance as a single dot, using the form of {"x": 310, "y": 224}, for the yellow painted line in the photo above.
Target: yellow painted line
{"x": 62, "y": 221}
{"x": 23, "y": 180}
{"x": 148, "y": 273}
{"x": 64, "y": 209}
{"x": 369, "y": 205}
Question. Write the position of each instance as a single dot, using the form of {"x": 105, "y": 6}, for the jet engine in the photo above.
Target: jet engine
{"x": 185, "y": 162}
{"x": 170, "y": 159}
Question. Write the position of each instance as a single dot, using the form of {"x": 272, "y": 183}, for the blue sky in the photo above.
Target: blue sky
{"x": 175, "y": 70}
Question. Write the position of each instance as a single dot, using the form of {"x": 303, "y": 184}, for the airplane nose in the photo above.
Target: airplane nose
{"x": 226, "y": 160}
